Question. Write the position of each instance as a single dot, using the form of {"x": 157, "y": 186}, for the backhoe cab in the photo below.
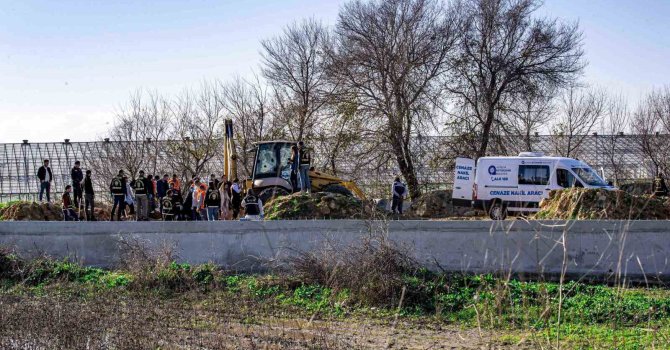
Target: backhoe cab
{"x": 272, "y": 174}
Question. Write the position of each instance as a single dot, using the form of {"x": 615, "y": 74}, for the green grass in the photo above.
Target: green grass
{"x": 591, "y": 316}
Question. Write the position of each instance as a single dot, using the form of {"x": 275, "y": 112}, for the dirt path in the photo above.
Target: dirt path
{"x": 54, "y": 322}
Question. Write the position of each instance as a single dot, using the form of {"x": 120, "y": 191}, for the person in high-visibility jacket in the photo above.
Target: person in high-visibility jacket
{"x": 175, "y": 184}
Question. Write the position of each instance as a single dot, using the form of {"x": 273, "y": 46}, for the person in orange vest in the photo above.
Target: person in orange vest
{"x": 202, "y": 205}
{"x": 175, "y": 183}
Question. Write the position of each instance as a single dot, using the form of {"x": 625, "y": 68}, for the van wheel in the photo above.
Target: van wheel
{"x": 497, "y": 211}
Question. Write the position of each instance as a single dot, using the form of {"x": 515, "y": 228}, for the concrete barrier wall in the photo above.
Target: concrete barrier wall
{"x": 638, "y": 250}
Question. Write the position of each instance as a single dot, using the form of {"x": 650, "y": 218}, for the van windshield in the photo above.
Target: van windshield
{"x": 589, "y": 176}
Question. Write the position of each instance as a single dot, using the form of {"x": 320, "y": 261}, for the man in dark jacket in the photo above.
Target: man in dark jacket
{"x": 118, "y": 190}
{"x": 89, "y": 197}
{"x": 213, "y": 202}
{"x": 305, "y": 161}
{"x": 77, "y": 177}
{"x": 68, "y": 207}
{"x": 253, "y": 206}
{"x": 399, "y": 192}
{"x": 162, "y": 187}
{"x": 45, "y": 176}
{"x": 660, "y": 188}
{"x": 236, "y": 198}
{"x": 143, "y": 187}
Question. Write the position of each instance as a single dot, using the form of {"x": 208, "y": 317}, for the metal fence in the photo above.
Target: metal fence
{"x": 373, "y": 170}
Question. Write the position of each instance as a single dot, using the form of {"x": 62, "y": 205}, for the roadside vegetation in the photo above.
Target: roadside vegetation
{"x": 376, "y": 283}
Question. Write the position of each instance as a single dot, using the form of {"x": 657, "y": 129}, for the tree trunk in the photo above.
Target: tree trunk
{"x": 406, "y": 166}
{"x": 486, "y": 132}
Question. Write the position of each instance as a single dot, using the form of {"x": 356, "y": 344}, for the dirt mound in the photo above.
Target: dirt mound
{"x": 31, "y": 211}
{"x": 321, "y": 205}
{"x": 27, "y": 211}
{"x": 595, "y": 204}
{"x": 438, "y": 205}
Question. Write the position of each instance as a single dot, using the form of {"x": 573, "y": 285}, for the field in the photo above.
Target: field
{"x": 154, "y": 302}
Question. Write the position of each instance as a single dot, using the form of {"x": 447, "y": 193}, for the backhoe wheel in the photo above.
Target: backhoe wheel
{"x": 339, "y": 189}
{"x": 497, "y": 211}
{"x": 271, "y": 193}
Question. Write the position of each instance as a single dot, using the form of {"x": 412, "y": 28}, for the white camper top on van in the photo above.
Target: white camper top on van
{"x": 518, "y": 183}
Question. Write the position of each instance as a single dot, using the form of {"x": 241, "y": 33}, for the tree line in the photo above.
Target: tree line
{"x": 489, "y": 73}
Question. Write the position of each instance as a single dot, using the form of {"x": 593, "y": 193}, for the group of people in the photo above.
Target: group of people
{"x": 138, "y": 197}
{"x": 202, "y": 199}
{"x": 143, "y": 195}
{"x": 76, "y": 195}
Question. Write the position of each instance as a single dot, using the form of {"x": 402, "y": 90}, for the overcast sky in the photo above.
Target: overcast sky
{"x": 66, "y": 66}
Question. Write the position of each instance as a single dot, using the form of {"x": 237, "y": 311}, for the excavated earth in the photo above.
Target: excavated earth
{"x": 438, "y": 205}
{"x": 31, "y": 211}
{"x": 320, "y": 205}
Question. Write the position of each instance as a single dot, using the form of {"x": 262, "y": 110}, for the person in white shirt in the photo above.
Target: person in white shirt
{"x": 237, "y": 198}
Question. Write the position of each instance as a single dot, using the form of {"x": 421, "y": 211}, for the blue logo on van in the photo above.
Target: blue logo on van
{"x": 492, "y": 170}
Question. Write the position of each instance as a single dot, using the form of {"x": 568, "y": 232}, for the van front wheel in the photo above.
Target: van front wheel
{"x": 497, "y": 211}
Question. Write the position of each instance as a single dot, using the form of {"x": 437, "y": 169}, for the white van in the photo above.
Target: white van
{"x": 517, "y": 184}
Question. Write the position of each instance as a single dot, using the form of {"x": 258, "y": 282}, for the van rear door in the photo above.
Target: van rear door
{"x": 464, "y": 179}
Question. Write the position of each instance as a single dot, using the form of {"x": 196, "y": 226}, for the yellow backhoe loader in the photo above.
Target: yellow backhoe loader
{"x": 271, "y": 176}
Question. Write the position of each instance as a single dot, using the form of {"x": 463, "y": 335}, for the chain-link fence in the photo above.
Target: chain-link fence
{"x": 619, "y": 157}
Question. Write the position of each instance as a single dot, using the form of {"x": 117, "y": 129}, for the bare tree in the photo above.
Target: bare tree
{"x": 651, "y": 124}
{"x": 249, "y": 105}
{"x": 615, "y": 123}
{"x": 338, "y": 136}
{"x": 390, "y": 54}
{"x": 293, "y": 65}
{"x": 528, "y": 114}
{"x": 580, "y": 112}
{"x": 198, "y": 130}
{"x": 132, "y": 145}
{"x": 505, "y": 51}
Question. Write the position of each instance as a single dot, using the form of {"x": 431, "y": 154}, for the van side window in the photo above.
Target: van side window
{"x": 533, "y": 174}
{"x": 565, "y": 179}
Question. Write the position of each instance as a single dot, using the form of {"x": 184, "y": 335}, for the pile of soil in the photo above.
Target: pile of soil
{"x": 438, "y": 205}
{"x": 320, "y": 205}
{"x": 595, "y": 204}
{"x": 31, "y": 211}
{"x": 27, "y": 211}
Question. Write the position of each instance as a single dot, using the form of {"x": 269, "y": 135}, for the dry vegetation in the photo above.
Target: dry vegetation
{"x": 364, "y": 295}
{"x": 602, "y": 204}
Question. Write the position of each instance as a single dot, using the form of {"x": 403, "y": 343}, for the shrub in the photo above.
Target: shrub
{"x": 372, "y": 270}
